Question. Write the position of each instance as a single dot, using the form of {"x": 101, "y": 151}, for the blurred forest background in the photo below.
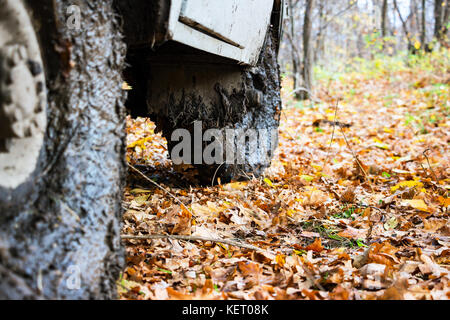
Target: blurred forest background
{"x": 326, "y": 37}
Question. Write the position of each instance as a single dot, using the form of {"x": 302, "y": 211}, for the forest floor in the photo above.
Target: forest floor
{"x": 354, "y": 206}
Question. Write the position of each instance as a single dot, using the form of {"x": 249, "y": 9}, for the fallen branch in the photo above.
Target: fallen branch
{"x": 194, "y": 238}
{"x": 356, "y": 159}
{"x": 159, "y": 186}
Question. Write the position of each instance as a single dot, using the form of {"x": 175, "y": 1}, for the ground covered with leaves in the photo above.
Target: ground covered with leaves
{"x": 354, "y": 206}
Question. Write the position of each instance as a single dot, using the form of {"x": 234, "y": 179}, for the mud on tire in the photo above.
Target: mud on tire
{"x": 234, "y": 97}
{"x": 59, "y": 230}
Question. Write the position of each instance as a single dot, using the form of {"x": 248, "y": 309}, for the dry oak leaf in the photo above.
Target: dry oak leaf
{"x": 181, "y": 220}
{"x": 316, "y": 198}
{"x": 316, "y": 246}
{"x": 249, "y": 268}
{"x": 175, "y": 295}
{"x": 352, "y": 233}
{"x": 378, "y": 257}
{"x": 339, "y": 293}
{"x": 348, "y": 195}
{"x": 416, "y": 204}
{"x": 433, "y": 225}
{"x": 183, "y": 226}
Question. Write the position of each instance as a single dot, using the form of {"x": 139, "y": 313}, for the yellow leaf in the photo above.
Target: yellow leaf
{"x": 307, "y": 178}
{"x": 266, "y": 180}
{"x": 417, "y": 45}
{"x": 407, "y": 184}
{"x": 140, "y": 143}
{"x": 380, "y": 144}
{"x": 126, "y": 86}
{"x": 416, "y": 204}
{"x": 236, "y": 185}
{"x": 137, "y": 190}
{"x": 141, "y": 200}
{"x": 355, "y": 139}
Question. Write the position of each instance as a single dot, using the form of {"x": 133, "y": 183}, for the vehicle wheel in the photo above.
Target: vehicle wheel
{"x": 62, "y": 150}
{"x": 222, "y": 95}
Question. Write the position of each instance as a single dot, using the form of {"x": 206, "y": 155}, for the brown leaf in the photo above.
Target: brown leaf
{"x": 339, "y": 293}
{"x": 316, "y": 246}
{"x": 248, "y": 268}
{"x": 348, "y": 195}
{"x": 352, "y": 233}
{"x": 182, "y": 226}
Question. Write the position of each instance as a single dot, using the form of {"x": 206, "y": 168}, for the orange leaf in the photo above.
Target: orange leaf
{"x": 352, "y": 233}
{"x": 280, "y": 260}
{"x": 248, "y": 268}
{"x": 316, "y": 246}
{"x": 445, "y": 202}
{"x": 175, "y": 295}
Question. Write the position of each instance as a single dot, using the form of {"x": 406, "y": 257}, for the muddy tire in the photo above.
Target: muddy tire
{"x": 221, "y": 95}
{"x": 60, "y": 224}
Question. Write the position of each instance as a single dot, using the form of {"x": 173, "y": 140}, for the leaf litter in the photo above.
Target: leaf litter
{"x": 354, "y": 211}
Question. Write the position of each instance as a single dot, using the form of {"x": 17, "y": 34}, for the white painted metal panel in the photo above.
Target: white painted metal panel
{"x": 231, "y": 28}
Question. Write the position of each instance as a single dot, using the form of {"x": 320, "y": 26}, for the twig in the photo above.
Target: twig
{"x": 429, "y": 165}
{"x": 193, "y": 238}
{"x": 332, "y": 135}
{"x": 356, "y": 159}
{"x": 352, "y": 4}
{"x": 159, "y": 186}
{"x": 215, "y": 173}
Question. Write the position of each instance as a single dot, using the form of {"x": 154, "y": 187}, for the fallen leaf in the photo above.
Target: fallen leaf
{"x": 316, "y": 246}
{"x": 416, "y": 204}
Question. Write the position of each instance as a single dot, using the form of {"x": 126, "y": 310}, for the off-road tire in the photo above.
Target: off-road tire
{"x": 254, "y": 104}
{"x": 60, "y": 229}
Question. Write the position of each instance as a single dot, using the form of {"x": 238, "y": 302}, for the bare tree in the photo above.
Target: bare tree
{"x": 319, "y": 38}
{"x": 423, "y": 33}
{"x": 295, "y": 57}
{"x": 384, "y": 10}
{"x": 307, "y": 54}
{"x": 411, "y": 47}
{"x": 445, "y": 22}
{"x": 438, "y": 17}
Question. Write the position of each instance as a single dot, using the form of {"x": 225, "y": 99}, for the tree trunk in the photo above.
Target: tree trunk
{"x": 384, "y": 18}
{"x": 423, "y": 34}
{"x": 294, "y": 52}
{"x": 411, "y": 47}
{"x": 446, "y": 21}
{"x": 319, "y": 41}
{"x": 307, "y": 59}
{"x": 438, "y": 15}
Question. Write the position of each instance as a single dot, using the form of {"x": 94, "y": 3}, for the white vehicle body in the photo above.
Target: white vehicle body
{"x": 222, "y": 27}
